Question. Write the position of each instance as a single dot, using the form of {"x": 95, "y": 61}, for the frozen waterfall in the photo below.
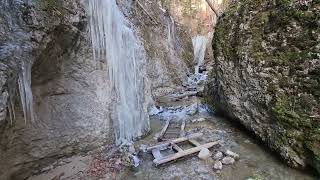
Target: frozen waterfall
{"x": 199, "y": 47}
{"x": 115, "y": 43}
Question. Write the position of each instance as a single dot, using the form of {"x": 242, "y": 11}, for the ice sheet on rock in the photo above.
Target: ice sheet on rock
{"x": 153, "y": 110}
{"x": 116, "y": 44}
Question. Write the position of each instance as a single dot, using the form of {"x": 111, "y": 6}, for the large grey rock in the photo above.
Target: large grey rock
{"x": 266, "y": 75}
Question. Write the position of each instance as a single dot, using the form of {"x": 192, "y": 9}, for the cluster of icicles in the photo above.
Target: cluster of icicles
{"x": 24, "y": 83}
{"x": 116, "y": 44}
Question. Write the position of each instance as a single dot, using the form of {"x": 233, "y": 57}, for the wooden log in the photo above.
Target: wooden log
{"x": 184, "y": 153}
{"x": 174, "y": 141}
{"x": 176, "y": 147}
{"x": 163, "y": 131}
{"x": 213, "y": 9}
{"x": 194, "y": 142}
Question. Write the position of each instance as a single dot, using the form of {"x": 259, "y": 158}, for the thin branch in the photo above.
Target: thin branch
{"x": 213, "y": 9}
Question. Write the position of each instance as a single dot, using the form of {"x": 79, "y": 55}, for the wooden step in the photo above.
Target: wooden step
{"x": 176, "y": 147}
{"x": 165, "y": 145}
{"x": 194, "y": 142}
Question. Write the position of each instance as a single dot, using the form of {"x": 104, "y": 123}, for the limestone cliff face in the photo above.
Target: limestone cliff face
{"x": 267, "y": 74}
{"x": 71, "y": 94}
{"x": 167, "y": 44}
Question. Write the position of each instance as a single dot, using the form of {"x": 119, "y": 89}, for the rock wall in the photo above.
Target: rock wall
{"x": 168, "y": 46}
{"x": 72, "y": 98}
{"x": 267, "y": 69}
{"x": 70, "y": 91}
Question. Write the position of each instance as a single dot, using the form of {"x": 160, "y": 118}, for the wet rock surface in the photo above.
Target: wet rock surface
{"x": 266, "y": 75}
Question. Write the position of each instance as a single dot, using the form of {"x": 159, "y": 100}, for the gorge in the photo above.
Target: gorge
{"x": 86, "y": 83}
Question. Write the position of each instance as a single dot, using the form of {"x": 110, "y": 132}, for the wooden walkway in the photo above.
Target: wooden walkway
{"x": 159, "y": 159}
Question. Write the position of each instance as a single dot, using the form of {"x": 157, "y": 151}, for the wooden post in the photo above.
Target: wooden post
{"x": 213, "y": 9}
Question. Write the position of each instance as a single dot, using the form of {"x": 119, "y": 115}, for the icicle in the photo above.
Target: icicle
{"x": 115, "y": 43}
{"x": 24, "y": 82}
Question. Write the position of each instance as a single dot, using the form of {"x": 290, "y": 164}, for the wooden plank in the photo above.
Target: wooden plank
{"x": 194, "y": 142}
{"x": 156, "y": 154}
{"x": 184, "y": 153}
{"x": 176, "y": 147}
{"x": 174, "y": 141}
{"x": 164, "y": 129}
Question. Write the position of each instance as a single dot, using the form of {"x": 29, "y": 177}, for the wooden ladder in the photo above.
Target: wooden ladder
{"x": 159, "y": 159}
{"x": 171, "y": 130}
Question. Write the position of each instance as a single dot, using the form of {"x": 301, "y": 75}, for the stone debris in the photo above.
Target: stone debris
{"x": 228, "y": 160}
{"x": 204, "y": 154}
{"x": 218, "y": 156}
{"x": 232, "y": 154}
{"x": 217, "y": 165}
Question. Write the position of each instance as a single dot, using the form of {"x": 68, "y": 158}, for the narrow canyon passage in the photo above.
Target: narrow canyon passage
{"x": 89, "y": 87}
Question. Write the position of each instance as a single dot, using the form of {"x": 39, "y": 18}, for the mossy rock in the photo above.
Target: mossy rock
{"x": 279, "y": 39}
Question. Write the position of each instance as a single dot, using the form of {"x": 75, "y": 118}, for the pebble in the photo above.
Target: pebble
{"x": 204, "y": 154}
{"x": 218, "y": 156}
{"x": 231, "y": 154}
{"x": 217, "y": 165}
{"x": 228, "y": 160}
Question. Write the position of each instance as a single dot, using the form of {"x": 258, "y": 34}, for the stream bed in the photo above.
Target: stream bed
{"x": 255, "y": 162}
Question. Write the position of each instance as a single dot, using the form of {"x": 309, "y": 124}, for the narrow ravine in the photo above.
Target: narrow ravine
{"x": 159, "y": 89}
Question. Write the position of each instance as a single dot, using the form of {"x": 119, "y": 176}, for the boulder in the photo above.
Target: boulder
{"x": 266, "y": 75}
{"x": 228, "y": 160}
{"x": 217, "y": 165}
{"x": 218, "y": 156}
{"x": 204, "y": 154}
